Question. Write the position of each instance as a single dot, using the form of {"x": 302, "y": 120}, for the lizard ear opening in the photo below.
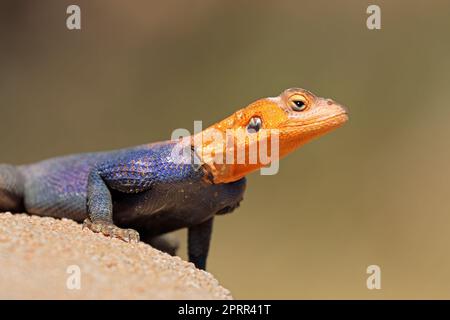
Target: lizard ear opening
{"x": 254, "y": 125}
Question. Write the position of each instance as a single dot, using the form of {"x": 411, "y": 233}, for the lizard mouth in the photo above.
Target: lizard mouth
{"x": 327, "y": 122}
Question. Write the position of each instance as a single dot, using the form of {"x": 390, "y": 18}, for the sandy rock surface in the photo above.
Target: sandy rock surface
{"x": 41, "y": 258}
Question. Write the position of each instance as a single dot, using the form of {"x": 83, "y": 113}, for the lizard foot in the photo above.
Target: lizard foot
{"x": 110, "y": 230}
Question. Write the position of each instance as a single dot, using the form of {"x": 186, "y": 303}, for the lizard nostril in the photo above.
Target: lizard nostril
{"x": 330, "y": 102}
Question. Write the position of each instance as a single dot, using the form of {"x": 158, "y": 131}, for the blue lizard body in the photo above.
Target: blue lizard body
{"x": 143, "y": 188}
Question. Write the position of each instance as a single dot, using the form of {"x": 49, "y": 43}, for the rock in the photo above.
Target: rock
{"x": 41, "y": 258}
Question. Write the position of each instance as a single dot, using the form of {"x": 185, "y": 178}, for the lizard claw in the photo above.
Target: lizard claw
{"x": 110, "y": 230}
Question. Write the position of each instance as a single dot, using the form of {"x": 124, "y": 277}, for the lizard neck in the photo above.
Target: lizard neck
{"x": 227, "y": 156}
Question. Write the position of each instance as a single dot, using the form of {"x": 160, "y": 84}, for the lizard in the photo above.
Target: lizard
{"x": 145, "y": 192}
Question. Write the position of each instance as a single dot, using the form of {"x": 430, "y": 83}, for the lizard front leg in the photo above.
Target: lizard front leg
{"x": 199, "y": 237}
{"x": 100, "y": 211}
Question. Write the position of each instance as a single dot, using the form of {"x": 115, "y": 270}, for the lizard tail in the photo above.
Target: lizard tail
{"x": 11, "y": 188}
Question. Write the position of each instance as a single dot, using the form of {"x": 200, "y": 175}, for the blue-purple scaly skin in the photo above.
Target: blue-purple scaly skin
{"x": 142, "y": 188}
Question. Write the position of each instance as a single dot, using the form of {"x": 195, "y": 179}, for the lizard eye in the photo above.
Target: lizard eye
{"x": 298, "y": 103}
{"x": 254, "y": 125}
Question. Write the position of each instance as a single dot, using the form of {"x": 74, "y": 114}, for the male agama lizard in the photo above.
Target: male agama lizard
{"x": 144, "y": 191}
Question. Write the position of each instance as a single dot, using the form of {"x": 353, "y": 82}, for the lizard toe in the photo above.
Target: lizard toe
{"x": 110, "y": 230}
{"x": 127, "y": 235}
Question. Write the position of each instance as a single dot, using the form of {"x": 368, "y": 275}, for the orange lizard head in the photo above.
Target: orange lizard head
{"x": 232, "y": 147}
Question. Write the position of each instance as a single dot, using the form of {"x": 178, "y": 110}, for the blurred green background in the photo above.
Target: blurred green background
{"x": 373, "y": 192}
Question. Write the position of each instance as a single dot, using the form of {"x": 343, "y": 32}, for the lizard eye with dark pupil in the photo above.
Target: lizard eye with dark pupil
{"x": 299, "y": 105}
{"x": 254, "y": 125}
